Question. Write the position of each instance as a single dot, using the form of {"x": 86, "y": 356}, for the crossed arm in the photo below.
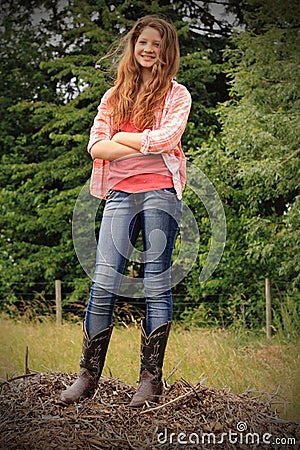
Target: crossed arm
{"x": 122, "y": 144}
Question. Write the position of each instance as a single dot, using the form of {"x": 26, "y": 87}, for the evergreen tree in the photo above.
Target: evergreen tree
{"x": 44, "y": 158}
{"x": 254, "y": 163}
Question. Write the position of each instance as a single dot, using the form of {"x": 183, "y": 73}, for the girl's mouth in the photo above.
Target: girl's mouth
{"x": 148, "y": 57}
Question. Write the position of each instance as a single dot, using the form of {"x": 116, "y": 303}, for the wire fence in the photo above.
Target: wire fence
{"x": 59, "y": 299}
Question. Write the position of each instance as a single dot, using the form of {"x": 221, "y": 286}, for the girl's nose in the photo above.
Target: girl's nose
{"x": 148, "y": 48}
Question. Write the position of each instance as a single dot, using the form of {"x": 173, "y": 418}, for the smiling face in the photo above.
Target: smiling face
{"x": 146, "y": 50}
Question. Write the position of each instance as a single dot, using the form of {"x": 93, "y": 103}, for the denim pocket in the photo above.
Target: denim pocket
{"x": 169, "y": 190}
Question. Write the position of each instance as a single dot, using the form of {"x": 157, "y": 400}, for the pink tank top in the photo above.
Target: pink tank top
{"x": 138, "y": 173}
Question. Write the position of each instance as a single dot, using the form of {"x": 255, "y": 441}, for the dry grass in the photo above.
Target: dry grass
{"x": 235, "y": 360}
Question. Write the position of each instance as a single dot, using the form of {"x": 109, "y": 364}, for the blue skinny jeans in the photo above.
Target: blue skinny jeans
{"x": 156, "y": 214}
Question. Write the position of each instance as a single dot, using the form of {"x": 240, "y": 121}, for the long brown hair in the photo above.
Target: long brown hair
{"x": 125, "y": 101}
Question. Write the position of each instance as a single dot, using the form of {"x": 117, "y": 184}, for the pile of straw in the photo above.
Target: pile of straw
{"x": 188, "y": 417}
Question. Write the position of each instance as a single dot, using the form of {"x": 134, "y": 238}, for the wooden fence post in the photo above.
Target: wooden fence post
{"x": 268, "y": 308}
{"x": 58, "y": 308}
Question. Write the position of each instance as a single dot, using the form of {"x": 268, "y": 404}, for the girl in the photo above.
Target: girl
{"x": 139, "y": 169}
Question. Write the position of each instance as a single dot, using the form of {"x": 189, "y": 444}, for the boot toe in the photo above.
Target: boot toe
{"x": 81, "y": 388}
{"x": 137, "y": 402}
{"x": 149, "y": 390}
{"x": 64, "y": 398}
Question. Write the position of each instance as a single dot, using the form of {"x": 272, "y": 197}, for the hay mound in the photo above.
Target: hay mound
{"x": 198, "y": 416}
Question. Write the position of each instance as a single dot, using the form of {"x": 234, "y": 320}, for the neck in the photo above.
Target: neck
{"x": 146, "y": 75}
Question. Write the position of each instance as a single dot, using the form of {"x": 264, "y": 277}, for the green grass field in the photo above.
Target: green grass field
{"x": 234, "y": 359}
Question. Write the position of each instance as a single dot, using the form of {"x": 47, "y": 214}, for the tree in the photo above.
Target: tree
{"x": 248, "y": 147}
{"x": 44, "y": 158}
{"x": 255, "y": 162}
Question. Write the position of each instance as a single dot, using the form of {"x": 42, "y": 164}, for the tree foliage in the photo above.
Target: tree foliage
{"x": 243, "y": 133}
{"x": 254, "y": 162}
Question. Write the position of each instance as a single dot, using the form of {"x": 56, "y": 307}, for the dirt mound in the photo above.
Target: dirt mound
{"x": 188, "y": 416}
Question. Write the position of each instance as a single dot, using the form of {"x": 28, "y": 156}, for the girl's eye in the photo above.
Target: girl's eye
{"x": 156, "y": 44}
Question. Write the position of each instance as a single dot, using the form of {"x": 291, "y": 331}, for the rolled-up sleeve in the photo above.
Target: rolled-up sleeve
{"x": 102, "y": 126}
{"x": 172, "y": 125}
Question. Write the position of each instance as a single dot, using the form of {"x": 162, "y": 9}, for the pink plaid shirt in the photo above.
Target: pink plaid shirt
{"x": 164, "y": 138}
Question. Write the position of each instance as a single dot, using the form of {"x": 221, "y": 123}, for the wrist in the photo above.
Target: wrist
{"x": 117, "y": 137}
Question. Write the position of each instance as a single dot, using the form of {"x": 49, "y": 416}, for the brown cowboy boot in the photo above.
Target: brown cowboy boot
{"x": 152, "y": 355}
{"x": 91, "y": 365}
